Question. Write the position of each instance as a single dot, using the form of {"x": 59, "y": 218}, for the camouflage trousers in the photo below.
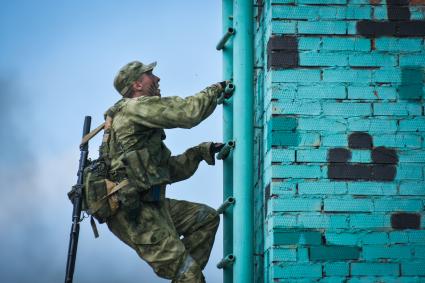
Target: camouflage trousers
{"x": 174, "y": 237}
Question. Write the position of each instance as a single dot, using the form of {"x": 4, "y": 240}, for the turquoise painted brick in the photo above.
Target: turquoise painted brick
{"x": 350, "y": 109}
{"x": 324, "y": 187}
{"x": 285, "y": 138}
{"x": 297, "y": 171}
{"x": 312, "y": 155}
{"x": 373, "y": 252}
{"x": 322, "y": 2}
{"x": 295, "y": 12}
{"x": 322, "y": 27}
{"x": 289, "y": 237}
{"x": 287, "y": 188}
{"x": 375, "y": 238}
{"x": 283, "y": 254}
{"x": 339, "y": 204}
{"x": 399, "y": 237}
{"x": 372, "y": 59}
{"x": 297, "y": 271}
{"x": 358, "y": 12}
{"x": 332, "y": 12}
{"x": 399, "y": 108}
{"x": 334, "y": 252}
{"x": 283, "y": 91}
{"x": 282, "y": 155}
{"x": 309, "y": 220}
{"x": 398, "y": 44}
{"x": 347, "y": 239}
{"x": 332, "y": 280}
{"x": 302, "y": 255}
{"x": 416, "y": 236}
{"x": 372, "y": 125}
{"x": 295, "y": 204}
{"x": 366, "y": 221}
{"x": 322, "y": 92}
{"x": 412, "y": 60}
{"x": 322, "y": 124}
{"x": 284, "y": 27}
{"x": 398, "y": 205}
{"x": 362, "y": 92}
{"x": 283, "y": 221}
{"x": 282, "y": 123}
{"x": 413, "y": 188}
{"x": 419, "y": 252}
{"x": 322, "y": 59}
{"x": 380, "y": 13}
{"x": 383, "y": 279}
{"x": 357, "y": 2}
{"x": 409, "y": 172}
{"x": 298, "y": 75}
{"x": 413, "y": 268}
{"x": 392, "y": 75}
{"x": 346, "y": 44}
{"x": 336, "y": 269}
{"x": 333, "y": 140}
{"x": 416, "y": 13}
{"x": 349, "y": 76}
{"x": 412, "y": 125}
{"x": 360, "y": 156}
{"x": 309, "y": 43}
{"x": 386, "y": 92}
{"x": 360, "y": 268}
{"x": 398, "y": 140}
{"x": 283, "y": 1}
{"x": 406, "y": 156}
{"x": 371, "y": 188}
{"x": 305, "y": 107}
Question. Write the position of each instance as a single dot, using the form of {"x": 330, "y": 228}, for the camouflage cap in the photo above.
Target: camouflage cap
{"x": 129, "y": 74}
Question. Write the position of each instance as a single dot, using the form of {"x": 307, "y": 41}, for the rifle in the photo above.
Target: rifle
{"x": 76, "y": 196}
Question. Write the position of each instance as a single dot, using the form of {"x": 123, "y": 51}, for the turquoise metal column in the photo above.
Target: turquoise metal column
{"x": 243, "y": 246}
{"x": 227, "y": 11}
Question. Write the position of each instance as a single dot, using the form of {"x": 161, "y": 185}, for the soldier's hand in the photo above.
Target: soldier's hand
{"x": 216, "y": 147}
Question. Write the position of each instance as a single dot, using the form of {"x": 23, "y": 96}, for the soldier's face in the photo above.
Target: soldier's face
{"x": 149, "y": 84}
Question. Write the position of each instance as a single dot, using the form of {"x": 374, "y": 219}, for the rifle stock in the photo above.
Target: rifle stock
{"x": 77, "y": 196}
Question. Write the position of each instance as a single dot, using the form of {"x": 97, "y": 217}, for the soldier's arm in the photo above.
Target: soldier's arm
{"x": 184, "y": 165}
{"x": 174, "y": 112}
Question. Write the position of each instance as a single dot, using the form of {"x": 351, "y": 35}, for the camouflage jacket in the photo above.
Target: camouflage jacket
{"x": 139, "y": 123}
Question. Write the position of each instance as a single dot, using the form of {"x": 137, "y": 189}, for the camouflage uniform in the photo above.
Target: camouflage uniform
{"x": 147, "y": 221}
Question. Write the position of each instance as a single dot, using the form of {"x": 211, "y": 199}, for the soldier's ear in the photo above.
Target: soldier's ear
{"x": 137, "y": 85}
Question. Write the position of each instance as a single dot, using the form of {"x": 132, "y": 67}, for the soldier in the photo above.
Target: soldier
{"x": 145, "y": 220}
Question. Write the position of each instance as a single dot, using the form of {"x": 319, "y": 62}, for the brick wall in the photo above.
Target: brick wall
{"x": 340, "y": 141}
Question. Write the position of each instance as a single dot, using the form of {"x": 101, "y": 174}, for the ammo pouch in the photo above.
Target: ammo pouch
{"x": 99, "y": 192}
{"x": 144, "y": 170}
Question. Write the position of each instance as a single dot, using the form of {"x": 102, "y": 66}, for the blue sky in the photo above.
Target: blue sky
{"x": 57, "y": 64}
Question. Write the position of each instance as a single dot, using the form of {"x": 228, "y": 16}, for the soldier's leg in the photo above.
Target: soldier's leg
{"x": 198, "y": 224}
{"x": 153, "y": 236}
